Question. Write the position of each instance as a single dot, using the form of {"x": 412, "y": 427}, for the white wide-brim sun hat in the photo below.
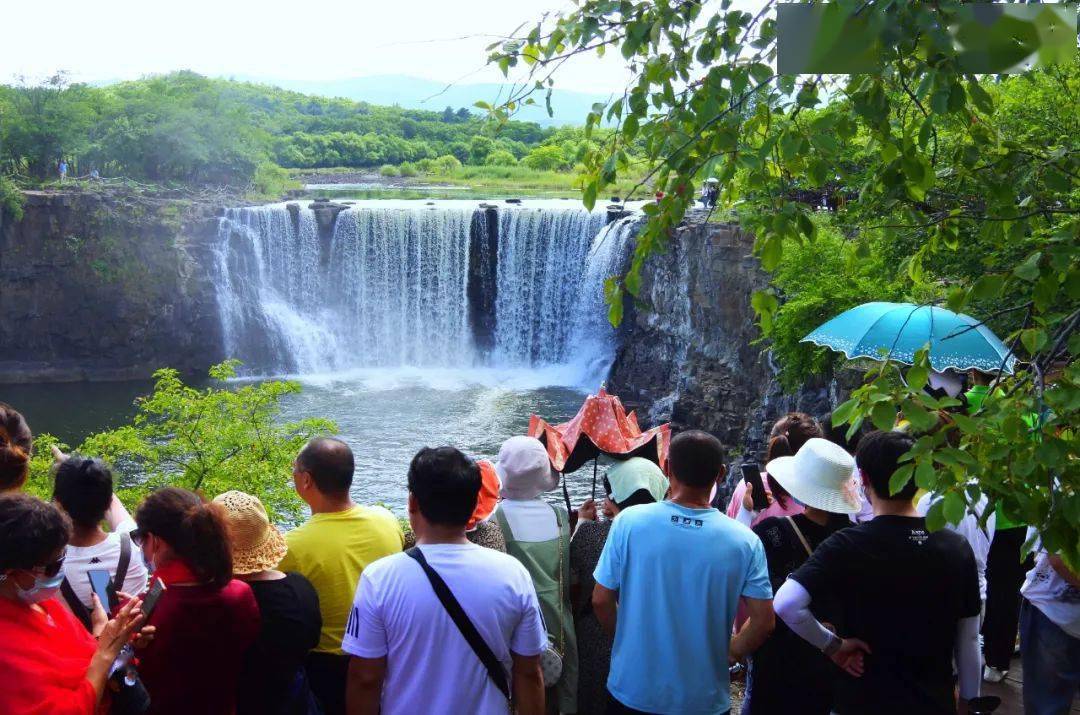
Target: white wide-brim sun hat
{"x": 821, "y": 475}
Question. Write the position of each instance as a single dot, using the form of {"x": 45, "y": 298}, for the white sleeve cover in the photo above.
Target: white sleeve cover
{"x": 792, "y": 604}
{"x": 744, "y": 516}
{"x": 968, "y": 657}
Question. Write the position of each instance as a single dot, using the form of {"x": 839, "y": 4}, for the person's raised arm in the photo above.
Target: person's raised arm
{"x": 363, "y": 689}
{"x": 112, "y": 636}
{"x": 117, "y": 513}
{"x": 528, "y": 684}
{"x": 755, "y": 630}
{"x": 605, "y": 607}
{"x": 968, "y": 660}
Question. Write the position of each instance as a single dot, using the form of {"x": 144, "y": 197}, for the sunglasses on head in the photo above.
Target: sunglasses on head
{"x": 137, "y": 536}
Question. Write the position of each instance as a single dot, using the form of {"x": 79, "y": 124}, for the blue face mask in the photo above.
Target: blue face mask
{"x": 44, "y": 588}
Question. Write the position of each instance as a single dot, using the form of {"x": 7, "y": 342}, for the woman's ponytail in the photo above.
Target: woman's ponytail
{"x": 207, "y": 543}
{"x": 16, "y": 442}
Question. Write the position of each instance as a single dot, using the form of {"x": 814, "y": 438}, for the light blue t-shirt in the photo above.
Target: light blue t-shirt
{"x": 679, "y": 573}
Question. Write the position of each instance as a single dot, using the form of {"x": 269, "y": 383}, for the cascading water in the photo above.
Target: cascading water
{"x": 389, "y": 286}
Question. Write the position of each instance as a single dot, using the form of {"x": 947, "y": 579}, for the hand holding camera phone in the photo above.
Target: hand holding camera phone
{"x": 751, "y": 474}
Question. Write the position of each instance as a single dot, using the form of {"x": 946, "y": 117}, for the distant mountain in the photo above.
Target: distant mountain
{"x": 415, "y": 93}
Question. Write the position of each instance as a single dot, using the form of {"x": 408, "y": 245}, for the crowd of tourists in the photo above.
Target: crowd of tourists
{"x": 830, "y": 590}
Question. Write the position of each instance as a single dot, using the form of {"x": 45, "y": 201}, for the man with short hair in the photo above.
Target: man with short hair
{"x": 331, "y": 550}
{"x": 904, "y": 601}
{"x": 667, "y": 585}
{"x": 409, "y": 654}
{"x": 83, "y": 488}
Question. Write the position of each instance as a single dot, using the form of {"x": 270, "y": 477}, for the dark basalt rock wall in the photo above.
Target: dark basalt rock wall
{"x": 688, "y": 354}
{"x": 99, "y": 287}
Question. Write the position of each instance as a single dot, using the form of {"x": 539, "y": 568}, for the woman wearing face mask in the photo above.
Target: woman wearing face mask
{"x": 206, "y": 620}
{"x": 49, "y": 664}
{"x": 635, "y": 481}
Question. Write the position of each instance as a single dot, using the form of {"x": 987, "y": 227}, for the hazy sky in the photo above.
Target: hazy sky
{"x": 332, "y": 39}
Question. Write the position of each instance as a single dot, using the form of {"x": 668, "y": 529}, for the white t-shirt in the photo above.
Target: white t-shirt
{"x": 430, "y": 667}
{"x": 1054, "y": 596}
{"x": 530, "y": 520}
{"x": 969, "y": 528}
{"x": 105, "y": 555}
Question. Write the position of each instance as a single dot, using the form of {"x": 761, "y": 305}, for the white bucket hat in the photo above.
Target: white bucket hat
{"x": 524, "y": 468}
{"x": 821, "y": 475}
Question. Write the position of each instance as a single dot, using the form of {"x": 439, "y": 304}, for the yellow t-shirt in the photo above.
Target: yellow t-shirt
{"x": 331, "y": 551}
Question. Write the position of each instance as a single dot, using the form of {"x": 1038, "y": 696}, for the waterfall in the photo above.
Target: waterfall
{"x": 398, "y": 283}
{"x": 541, "y": 263}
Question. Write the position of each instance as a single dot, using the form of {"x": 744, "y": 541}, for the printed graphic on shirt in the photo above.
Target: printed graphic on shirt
{"x": 686, "y": 522}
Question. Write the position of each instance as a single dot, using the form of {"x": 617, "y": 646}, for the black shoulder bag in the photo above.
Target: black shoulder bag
{"x": 78, "y": 608}
{"x": 457, "y": 614}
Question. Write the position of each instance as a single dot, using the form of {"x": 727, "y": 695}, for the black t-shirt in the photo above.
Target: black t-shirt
{"x": 786, "y": 668}
{"x": 273, "y": 680}
{"x": 902, "y": 590}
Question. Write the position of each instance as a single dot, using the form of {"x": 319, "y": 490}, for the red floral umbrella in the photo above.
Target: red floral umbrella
{"x": 601, "y": 426}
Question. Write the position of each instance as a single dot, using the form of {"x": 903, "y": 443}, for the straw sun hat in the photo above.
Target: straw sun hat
{"x": 821, "y": 475}
{"x": 257, "y": 545}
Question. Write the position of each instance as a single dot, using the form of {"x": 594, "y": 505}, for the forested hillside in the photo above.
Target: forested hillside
{"x": 183, "y": 127}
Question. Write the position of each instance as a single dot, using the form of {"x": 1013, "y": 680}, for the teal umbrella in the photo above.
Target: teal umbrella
{"x": 897, "y": 330}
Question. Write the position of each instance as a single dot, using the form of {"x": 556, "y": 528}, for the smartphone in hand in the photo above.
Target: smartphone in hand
{"x": 101, "y": 585}
{"x": 153, "y": 594}
{"x": 751, "y": 473}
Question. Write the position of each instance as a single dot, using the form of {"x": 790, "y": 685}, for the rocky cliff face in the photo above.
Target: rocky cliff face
{"x": 688, "y": 354}
{"x": 105, "y": 287}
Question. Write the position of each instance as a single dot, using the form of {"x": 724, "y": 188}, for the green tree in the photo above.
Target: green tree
{"x": 545, "y": 158}
{"x": 500, "y": 157}
{"x": 210, "y": 440}
{"x": 479, "y": 148}
{"x": 913, "y": 153}
{"x": 47, "y": 122}
{"x": 446, "y": 164}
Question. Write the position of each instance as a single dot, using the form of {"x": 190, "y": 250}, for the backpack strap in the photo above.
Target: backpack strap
{"x": 122, "y": 564}
{"x": 798, "y": 533}
{"x": 77, "y": 607}
{"x": 457, "y": 614}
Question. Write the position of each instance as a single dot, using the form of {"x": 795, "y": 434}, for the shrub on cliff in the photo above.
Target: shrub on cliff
{"x": 11, "y": 199}
{"x": 213, "y": 439}
{"x": 388, "y": 170}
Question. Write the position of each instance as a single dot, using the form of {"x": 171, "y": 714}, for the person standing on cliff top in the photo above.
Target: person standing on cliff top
{"x": 331, "y": 550}
{"x": 63, "y": 170}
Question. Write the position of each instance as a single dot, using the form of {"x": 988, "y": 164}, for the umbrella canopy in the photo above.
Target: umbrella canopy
{"x": 874, "y": 330}
{"x": 601, "y": 426}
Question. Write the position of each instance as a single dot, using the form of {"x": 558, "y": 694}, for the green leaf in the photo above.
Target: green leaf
{"x": 1033, "y": 339}
{"x": 900, "y": 478}
{"x": 935, "y": 517}
{"x": 925, "y": 475}
{"x": 989, "y": 285}
{"x": 1029, "y": 269}
{"x": 954, "y": 507}
{"x": 883, "y": 415}
{"x": 771, "y": 251}
{"x": 843, "y": 413}
{"x": 588, "y": 196}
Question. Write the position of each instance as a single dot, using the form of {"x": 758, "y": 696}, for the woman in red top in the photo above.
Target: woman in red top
{"x": 205, "y": 620}
{"x": 49, "y": 664}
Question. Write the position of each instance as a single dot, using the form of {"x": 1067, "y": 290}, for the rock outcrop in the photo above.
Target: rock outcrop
{"x": 105, "y": 287}
{"x": 691, "y": 352}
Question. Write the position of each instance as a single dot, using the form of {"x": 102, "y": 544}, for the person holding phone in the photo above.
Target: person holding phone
{"x": 49, "y": 663}
{"x": 787, "y": 436}
{"x": 206, "y": 620}
{"x": 83, "y": 488}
